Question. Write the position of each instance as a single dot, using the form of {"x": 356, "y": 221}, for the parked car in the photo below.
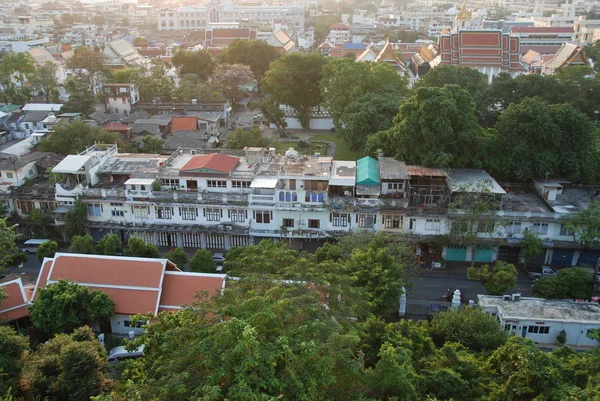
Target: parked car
{"x": 32, "y": 245}
{"x": 218, "y": 258}
{"x": 544, "y": 271}
{"x": 118, "y": 354}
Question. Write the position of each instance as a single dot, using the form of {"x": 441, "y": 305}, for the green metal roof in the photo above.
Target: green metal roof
{"x": 9, "y": 107}
{"x": 367, "y": 171}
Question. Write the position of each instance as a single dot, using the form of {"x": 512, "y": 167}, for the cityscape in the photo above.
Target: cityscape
{"x": 299, "y": 199}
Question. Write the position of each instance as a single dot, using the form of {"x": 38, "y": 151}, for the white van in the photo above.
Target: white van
{"x": 118, "y": 354}
{"x": 32, "y": 245}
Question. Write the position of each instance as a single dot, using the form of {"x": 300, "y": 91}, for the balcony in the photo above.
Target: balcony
{"x": 265, "y": 199}
{"x": 68, "y": 191}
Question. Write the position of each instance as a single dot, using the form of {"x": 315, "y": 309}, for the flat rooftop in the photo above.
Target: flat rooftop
{"x": 306, "y": 166}
{"x": 472, "y": 180}
{"x": 137, "y": 164}
{"x": 543, "y": 309}
{"x": 523, "y": 199}
{"x": 573, "y": 200}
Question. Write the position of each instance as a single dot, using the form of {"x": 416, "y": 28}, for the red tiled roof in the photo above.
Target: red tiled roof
{"x": 339, "y": 26}
{"x": 184, "y": 124}
{"x": 116, "y": 127}
{"x": 214, "y": 161}
{"x": 129, "y": 301}
{"x": 542, "y": 49}
{"x": 180, "y": 288}
{"x": 536, "y": 29}
{"x": 231, "y": 33}
{"x": 14, "y": 305}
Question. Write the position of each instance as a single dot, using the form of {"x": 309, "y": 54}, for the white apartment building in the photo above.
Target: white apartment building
{"x": 119, "y": 99}
{"x": 195, "y": 18}
{"x": 586, "y": 32}
{"x": 542, "y": 320}
{"x": 218, "y": 201}
{"x": 339, "y": 33}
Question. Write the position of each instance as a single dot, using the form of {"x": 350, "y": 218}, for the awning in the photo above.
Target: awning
{"x": 71, "y": 164}
{"x": 342, "y": 182}
{"x": 140, "y": 181}
{"x": 269, "y": 183}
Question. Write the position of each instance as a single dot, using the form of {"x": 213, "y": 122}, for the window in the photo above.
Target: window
{"x": 392, "y": 221}
{"x": 30, "y": 171}
{"x": 314, "y": 197}
{"x": 128, "y": 323}
{"x": 116, "y": 204}
{"x": 117, "y": 213}
{"x": 540, "y": 228}
{"x": 213, "y": 214}
{"x": 485, "y": 227}
{"x": 140, "y": 212}
{"x": 339, "y": 219}
{"x": 240, "y": 184}
{"x": 238, "y": 215}
{"x": 293, "y": 185}
{"x": 538, "y": 329}
{"x": 395, "y": 186}
{"x": 288, "y": 222}
{"x": 432, "y": 225}
{"x": 366, "y": 220}
{"x": 25, "y": 206}
{"x": 95, "y": 209}
{"x": 565, "y": 231}
{"x": 9, "y": 175}
{"x": 263, "y": 217}
{"x": 216, "y": 184}
{"x": 164, "y": 212}
{"x": 167, "y": 182}
{"x": 188, "y": 213}
{"x": 513, "y": 227}
{"x": 314, "y": 223}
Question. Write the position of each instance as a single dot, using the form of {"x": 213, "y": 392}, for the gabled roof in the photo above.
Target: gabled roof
{"x": 211, "y": 163}
{"x": 99, "y": 116}
{"x": 14, "y": 305}
{"x": 34, "y": 116}
{"x": 531, "y": 56}
{"x": 138, "y": 115}
{"x": 42, "y": 107}
{"x": 9, "y": 107}
{"x": 140, "y": 128}
{"x": 389, "y": 55}
{"x": 367, "y": 171}
{"x": 184, "y": 124}
{"x": 180, "y": 288}
{"x": 392, "y": 169}
{"x": 116, "y": 127}
{"x": 568, "y": 54}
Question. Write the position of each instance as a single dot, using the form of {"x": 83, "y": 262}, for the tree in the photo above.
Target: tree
{"x": 571, "y": 283}
{"x": 8, "y": 245}
{"x": 65, "y": 306}
{"x": 273, "y": 113}
{"x": 148, "y": 144}
{"x": 496, "y": 279}
{"x": 436, "y": 127}
{"x": 68, "y": 367}
{"x": 81, "y": 99}
{"x": 15, "y": 66}
{"x": 82, "y": 244}
{"x": 593, "y": 52}
{"x": 124, "y": 76}
{"x": 109, "y": 245}
{"x": 88, "y": 66}
{"x": 469, "y": 79}
{"x": 585, "y": 225}
{"x": 76, "y": 220}
{"x": 471, "y": 327}
{"x": 76, "y": 137}
{"x": 531, "y": 246}
{"x": 293, "y": 80}
{"x": 43, "y": 80}
{"x": 202, "y": 262}
{"x": 367, "y": 115}
{"x": 344, "y": 81}
{"x": 254, "y": 53}
{"x": 230, "y": 80}
{"x": 544, "y": 140}
{"x": 192, "y": 87}
{"x": 200, "y": 63}
{"x": 13, "y": 347}
{"x": 136, "y": 247}
{"x": 240, "y": 138}
{"x": 39, "y": 221}
{"x": 177, "y": 256}
{"x": 11, "y": 93}
{"x": 47, "y": 250}
{"x": 154, "y": 84}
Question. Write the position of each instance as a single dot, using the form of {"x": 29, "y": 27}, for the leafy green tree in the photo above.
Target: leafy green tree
{"x": 471, "y": 327}
{"x": 345, "y": 80}
{"x": 241, "y": 138}
{"x": 89, "y": 67}
{"x": 124, "y": 76}
{"x": 571, "y": 283}
{"x": 81, "y": 99}
{"x": 154, "y": 84}
{"x": 254, "y": 53}
{"x": 13, "y": 347}
{"x": 200, "y": 63}
{"x": 593, "y": 52}
{"x": 367, "y": 115}
{"x": 531, "y": 246}
{"x": 43, "y": 79}
{"x": 148, "y": 144}
{"x": 177, "y": 256}
{"x": 11, "y": 93}
{"x": 585, "y": 225}
{"x": 110, "y": 244}
{"x": 436, "y": 127}
{"x": 82, "y": 244}
{"x": 202, "y": 262}
{"x": 65, "y": 306}
{"x": 497, "y": 278}
{"x": 273, "y": 113}
{"x": 40, "y": 221}
{"x": 469, "y": 79}
{"x": 192, "y": 87}
{"x": 136, "y": 247}
{"x": 15, "y": 66}
{"x": 231, "y": 80}
{"x": 267, "y": 258}
{"x": 545, "y": 139}
{"x": 393, "y": 377}
{"x": 76, "y": 220}
{"x": 76, "y": 137}
{"x": 68, "y": 367}
{"x": 8, "y": 245}
{"x": 293, "y": 80}
{"x": 47, "y": 250}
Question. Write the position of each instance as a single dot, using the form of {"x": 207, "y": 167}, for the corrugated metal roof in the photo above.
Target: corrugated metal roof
{"x": 425, "y": 171}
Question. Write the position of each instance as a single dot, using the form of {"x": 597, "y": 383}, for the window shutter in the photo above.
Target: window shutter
{"x": 356, "y": 218}
{"x": 228, "y": 213}
{"x": 254, "y": 214}
{"x": 375, "y": 219}
{"x": 180, "y": 210}
{"x": 221, "y": 210}
{"x": 330, "y": 215}
{"x": 204, "y": 212}
{"x": 271, "y": 215}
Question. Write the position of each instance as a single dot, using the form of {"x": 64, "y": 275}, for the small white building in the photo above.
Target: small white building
{"x": 542, "y": 320}
{"x": 120, "y": 98}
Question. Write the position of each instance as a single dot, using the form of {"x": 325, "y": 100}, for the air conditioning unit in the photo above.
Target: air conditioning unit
{"x": 516, "y": 297}
{"x": 506, "y": 297}
{"x": 229, "y": 227}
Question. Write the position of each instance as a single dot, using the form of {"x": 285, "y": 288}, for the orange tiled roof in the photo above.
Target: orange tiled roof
{"x": 184, "y": 124}
{"x": 180, "y": 288}
{"x": 215, "y": 161}
{"x": 14, "y": 305}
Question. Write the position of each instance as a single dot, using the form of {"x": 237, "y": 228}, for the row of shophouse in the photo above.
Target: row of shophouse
{"x": 219, "y": 201}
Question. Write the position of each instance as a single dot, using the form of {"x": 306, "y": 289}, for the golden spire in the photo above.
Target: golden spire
{"x": 463, "y": 14}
